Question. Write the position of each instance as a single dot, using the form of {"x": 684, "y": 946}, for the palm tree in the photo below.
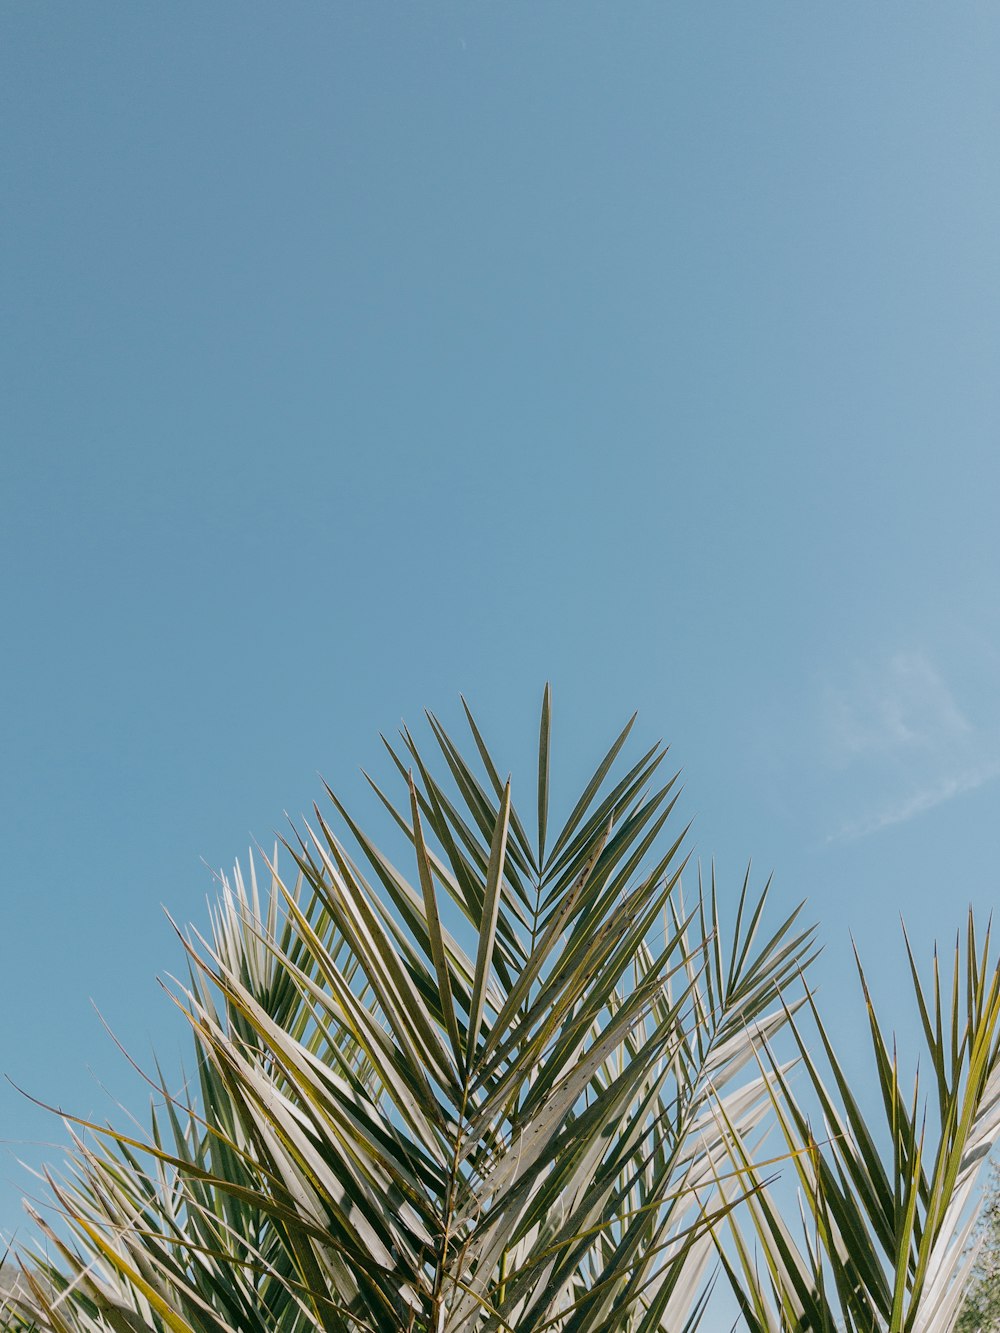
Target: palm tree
{"x": 980, "y": 1311}
{"x": 888, "y": 1236}
{"x": 498, "y": 1092}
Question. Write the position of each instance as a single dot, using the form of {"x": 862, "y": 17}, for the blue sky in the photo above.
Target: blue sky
{"x": 357, "y": 355}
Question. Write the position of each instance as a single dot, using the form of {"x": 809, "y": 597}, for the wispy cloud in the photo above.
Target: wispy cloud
{"x": 903, "y": 704}
{"x": 898, "y": 727}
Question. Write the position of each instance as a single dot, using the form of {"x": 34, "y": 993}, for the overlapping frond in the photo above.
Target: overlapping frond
{"x": 497, "y": 1091}
{"x": 886, "y": 1198}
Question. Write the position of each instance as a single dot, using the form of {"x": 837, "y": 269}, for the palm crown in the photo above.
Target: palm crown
{"x": 517, "y": 1087}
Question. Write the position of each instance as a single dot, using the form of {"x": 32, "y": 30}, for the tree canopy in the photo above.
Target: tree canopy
{"x": 524, "y": 1083}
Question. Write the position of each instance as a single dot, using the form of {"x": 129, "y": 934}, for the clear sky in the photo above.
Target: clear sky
{"x": 358, "y": 354}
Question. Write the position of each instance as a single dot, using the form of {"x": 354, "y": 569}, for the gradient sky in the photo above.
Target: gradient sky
{"x": 355, "y": 355}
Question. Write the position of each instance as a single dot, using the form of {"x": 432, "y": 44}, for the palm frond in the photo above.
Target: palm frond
{"x": 496, "y": 1093}
{"x": 887, "y": 1197}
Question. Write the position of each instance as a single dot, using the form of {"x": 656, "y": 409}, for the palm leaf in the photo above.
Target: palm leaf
{"x": 887, "y": 1197}
{"x": 499, "y": 1092}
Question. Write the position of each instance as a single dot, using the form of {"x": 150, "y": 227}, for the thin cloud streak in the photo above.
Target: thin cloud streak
{"x": 920, "y": 802}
